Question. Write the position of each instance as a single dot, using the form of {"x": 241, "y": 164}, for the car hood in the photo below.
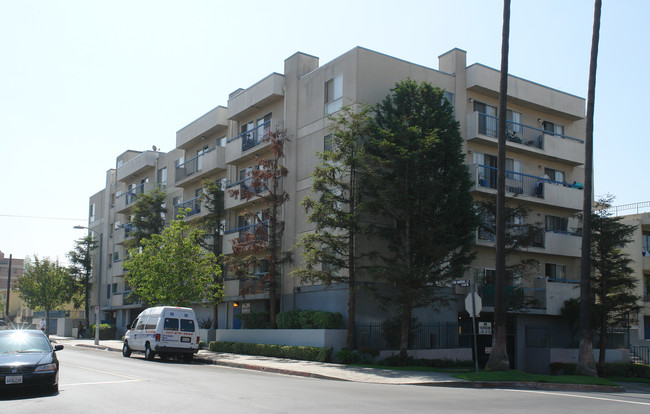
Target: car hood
{"x": 26, "y": 358}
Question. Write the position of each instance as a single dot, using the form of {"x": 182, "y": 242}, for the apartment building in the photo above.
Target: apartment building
{"x": 7, "y": 283}
{"x": 639, "y": 252}
{"x": 545, "y": 172}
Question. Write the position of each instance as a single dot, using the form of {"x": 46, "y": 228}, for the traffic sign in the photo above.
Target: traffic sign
{"x": 461, "y": 282}
{"x": 485, "y": 328}
{"x": 474, "y": 309}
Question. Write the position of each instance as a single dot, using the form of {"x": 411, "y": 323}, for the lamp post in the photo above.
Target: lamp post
{"x": 99, "y": 276}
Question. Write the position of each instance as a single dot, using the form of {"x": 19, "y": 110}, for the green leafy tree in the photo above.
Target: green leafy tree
{"x": 264, "y": 241}
{"x": 213, "y": 223}
{"x": 613, "y": 279}
{"x": 45, "y": 285}
{"x": 329, "y": 252}
{"x": 416, "y": 183}
{"x": 148, "y": 216}
{"x": 173, "y": 269}
{"x": 80, "y": 269}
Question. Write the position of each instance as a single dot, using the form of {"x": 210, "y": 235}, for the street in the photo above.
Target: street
{"x": 97, "y": 381}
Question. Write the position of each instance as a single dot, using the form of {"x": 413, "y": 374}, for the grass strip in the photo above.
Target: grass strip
{"x": 518, "y": 376}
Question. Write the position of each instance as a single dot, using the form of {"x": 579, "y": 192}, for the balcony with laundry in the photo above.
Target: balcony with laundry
{"x": 526, "y": 139}
{"x": 538, "y": 190}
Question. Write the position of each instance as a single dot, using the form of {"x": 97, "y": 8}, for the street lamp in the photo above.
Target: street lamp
{"x": 99, "y": 276}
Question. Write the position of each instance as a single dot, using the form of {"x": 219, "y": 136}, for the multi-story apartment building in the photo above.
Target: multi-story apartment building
{"x": 7, "y": 283}
{"x": 639, "y": 251}
{"x": 545, "y": 151}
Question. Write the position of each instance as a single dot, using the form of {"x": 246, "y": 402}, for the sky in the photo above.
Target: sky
{"x": 83, "y": 81}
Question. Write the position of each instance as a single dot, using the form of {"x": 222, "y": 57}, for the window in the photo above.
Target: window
{"x": 199, "y": 157}
{"x": 187, "y": 325}
{"x": 116, "y": 256}
{"x": 171, "y": 324}
{"x": 333, "y": 94}
{"x": 221, "y": 141}
{"x": 114, "y": 288}
{"x": 92, "y": 212}
{"x": 646, "y": 287}
{"x": 487, "y": 119}
{"x": 264, "y": 127}
{"x": 162, "y": 177}
{"x": 555, "y": 271}
{"x": 513, "y": 124}
{"x": 554, "y": 175}
{"x": 327, "y": 143}
{"x": 151, "y": 322}
{"x": 557, "y": 224}
{"x": 645, "y": 240}
{"x": 108, "y": 291}
{"x": 553, "y": 128}
{"x": 449, "y": 96}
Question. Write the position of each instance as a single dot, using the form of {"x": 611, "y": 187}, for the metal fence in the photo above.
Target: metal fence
{"x": 641, "y": 353}
{"x": 423, "y": 336}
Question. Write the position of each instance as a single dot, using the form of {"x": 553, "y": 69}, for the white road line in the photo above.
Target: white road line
{"x": 586, "y": 397}
{"x": 98, "y": 383}
{"x": 106, "y": 372}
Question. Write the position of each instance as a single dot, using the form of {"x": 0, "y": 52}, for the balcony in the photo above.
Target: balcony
{"x": 247, "y": 235}
{"x": 246, "y": 145}
{"x": 646, "y": 263}
{"x": 194, "y": 206}
{"x": 212, "y": 124}
{"x": 268, "y": 90}
{"x": 137, "y": 165}
{"x": 546, "y": 242}
{"x": 521, "y": 138}
{"x": 124, "y": 233}
{"x": 249, "y": 288}
{"x": 245, "y": 188}
{"x": 538, "y": 190}
{"x": 199, "y": 167}
{"x": 543, "y": 295}
{"x": 126, "y": 200}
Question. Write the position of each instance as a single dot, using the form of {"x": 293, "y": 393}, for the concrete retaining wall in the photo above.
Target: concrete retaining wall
{"x": 295, "y": 337}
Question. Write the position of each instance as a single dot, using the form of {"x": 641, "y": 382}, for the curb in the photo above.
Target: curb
{"x": 103, "y": 348}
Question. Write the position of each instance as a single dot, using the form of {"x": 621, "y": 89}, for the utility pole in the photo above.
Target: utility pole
{"x": 8, "y": 290}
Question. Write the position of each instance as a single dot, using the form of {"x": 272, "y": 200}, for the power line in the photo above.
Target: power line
{"x": 42, "y": 218}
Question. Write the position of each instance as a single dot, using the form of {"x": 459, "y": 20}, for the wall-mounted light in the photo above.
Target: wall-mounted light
{"x": 471, "y": 99}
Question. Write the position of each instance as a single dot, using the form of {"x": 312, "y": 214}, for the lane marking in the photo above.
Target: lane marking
{"x": 63, "y": 384}
{"x": 106, "y": 372}
{"x": 586, "y": 397}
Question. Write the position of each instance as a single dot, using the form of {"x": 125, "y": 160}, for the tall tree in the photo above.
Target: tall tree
{"x": 265, "y": 240}
{"x": 81, "y": 268}
{"x": 172, "y": 268}
{"x": 614, "y": 282}
{"x": 329, "y": 252}
{"x": 148, "y": 216}
{"x": 499, "y": 356}
{"x": 213, "y": 223}
{"x": 586, "y": 364}
{"x": 416, "y": 184}
{"x": 45, "y": 285}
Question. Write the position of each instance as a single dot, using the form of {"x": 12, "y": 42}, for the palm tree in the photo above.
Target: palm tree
{"x": 586, "y": 364}
{"x": 499, "y": 357}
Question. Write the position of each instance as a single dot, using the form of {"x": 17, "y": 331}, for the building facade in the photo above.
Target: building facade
{"x": 545, "y": 171}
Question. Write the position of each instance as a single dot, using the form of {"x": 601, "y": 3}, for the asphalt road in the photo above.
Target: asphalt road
{"x": 94, "y": 381}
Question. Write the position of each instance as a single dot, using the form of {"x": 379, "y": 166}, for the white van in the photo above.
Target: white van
{"x": 163, "y": 330}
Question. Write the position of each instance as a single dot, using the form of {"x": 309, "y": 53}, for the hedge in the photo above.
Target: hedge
{"x": 309, "y": 319}
{"x": 303, "y": 353}
{"x": 611, "y": 369}
{"x": 106, "y": 331}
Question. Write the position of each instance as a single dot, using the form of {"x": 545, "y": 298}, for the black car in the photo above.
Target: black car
{"x": 27, "y": 359}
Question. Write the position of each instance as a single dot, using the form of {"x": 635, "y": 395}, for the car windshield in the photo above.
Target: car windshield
{"x": 19, "y": 341}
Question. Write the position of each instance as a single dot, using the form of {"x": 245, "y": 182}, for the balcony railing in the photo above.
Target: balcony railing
{"x": 132, "y": 194}
{"x": 518, "y": 183}
{"x": 516, "y": 132}
{"x": 193, "y": 204}
{"x": 259, "y": 230}
{"x": 255, "y": 136}
{"x": 191, "y": 166}
{"x": 246, "y": 186}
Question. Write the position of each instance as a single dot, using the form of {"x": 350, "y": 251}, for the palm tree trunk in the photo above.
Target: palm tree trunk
{"x": 499, "y": 357}
{"x": 586, "y": 365}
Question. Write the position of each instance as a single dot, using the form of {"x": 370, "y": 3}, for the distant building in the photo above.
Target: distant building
{"x": 545, "y": 172}
{"x": 16, "y": 273}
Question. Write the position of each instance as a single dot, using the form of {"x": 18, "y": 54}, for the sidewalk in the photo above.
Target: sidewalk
{"x": 343, "y": 372}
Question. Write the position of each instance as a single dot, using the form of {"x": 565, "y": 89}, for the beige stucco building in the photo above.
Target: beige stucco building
{"x": 545, "y": 153}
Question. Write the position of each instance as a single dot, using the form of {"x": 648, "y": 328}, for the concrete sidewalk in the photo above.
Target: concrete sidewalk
{"x": 343, "y": 372}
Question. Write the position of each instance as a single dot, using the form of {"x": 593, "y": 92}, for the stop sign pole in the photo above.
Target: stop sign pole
{"x": 474, "y": 311}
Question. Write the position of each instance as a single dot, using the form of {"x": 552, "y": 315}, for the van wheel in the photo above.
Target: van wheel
{"x": 188, "y": 358}
{"x": 126, "y": 351}
{"x": 149, "y": 355}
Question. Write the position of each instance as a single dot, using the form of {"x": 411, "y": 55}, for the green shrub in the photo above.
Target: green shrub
{"x": 309, "y": 319}
{"x": 304, "y": 353}
{"x": 394, "y": 361}
{"x": 106, "y": 331}
{"x": 255, "y": 320}
{"x": 639, "y": 371}
{"x": 616, "y": 370}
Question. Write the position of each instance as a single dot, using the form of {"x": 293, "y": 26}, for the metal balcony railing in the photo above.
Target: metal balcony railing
{"x": 193, "y": 204}
{"x": 191, "y": 166}
{"x": 517, "y": 183}
{"x": 255, "y": 136}
{"x": 516, "y": 132}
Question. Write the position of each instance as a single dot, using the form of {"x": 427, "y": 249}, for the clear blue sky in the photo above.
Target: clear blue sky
{"x": 83, "y": 81}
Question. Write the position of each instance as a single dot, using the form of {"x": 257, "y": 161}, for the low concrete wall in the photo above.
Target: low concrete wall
{"x": 454, "y": 354}
{"x": 64, "y": 326}
{"x": 296, "y": 337}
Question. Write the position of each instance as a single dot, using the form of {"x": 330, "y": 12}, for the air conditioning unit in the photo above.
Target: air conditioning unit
{"x": 117, "y": 225}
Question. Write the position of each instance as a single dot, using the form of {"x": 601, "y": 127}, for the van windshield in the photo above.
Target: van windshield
{"x": 187, "y": 325}
{"x": 171, "y": 324}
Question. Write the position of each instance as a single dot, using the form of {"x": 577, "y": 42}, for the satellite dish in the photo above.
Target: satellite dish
{"x": 154, "y": 148}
